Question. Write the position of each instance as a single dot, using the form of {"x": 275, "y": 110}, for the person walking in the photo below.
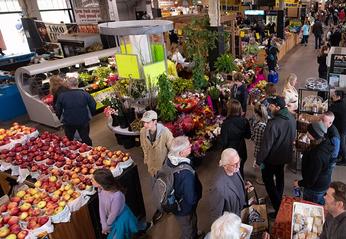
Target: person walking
{"x": 306, "y": 32}
{"x": 76, "y": 108}
{"x": 187, "y": 187}
{"x": 317, "y": 30}
{"x": 315, "y": 164}
{"x": 234, "y": 130}
{"x": 276, "y": 149}
{"x": 155, "y": 142}
{"x": 338, "y": 107}
{"x": 229, "y": 188}
{"x": 334, "y": 226}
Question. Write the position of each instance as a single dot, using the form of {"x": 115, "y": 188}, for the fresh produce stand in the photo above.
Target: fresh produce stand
{"x": 29, "y": 81}
{"x": 58, "y": 197}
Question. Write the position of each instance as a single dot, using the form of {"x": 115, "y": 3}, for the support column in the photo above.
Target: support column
{"x": 30, "y": 9}
{"x": 282, "y": 5}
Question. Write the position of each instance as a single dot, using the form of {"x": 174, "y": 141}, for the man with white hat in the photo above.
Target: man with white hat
{"x": 155, "y": 142}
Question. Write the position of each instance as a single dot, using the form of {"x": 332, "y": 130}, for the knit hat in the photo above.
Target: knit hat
{"x": 317, "y": 130}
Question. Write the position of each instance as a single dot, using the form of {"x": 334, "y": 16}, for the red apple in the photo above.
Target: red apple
{"x": 22, "y": 234}
{"x": 13, "y": 220}
{"x": 15, "y": 229}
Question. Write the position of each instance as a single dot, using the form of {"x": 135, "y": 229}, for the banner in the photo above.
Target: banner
{"x": 49, "y": 32}
{"x": 88, "y": 15}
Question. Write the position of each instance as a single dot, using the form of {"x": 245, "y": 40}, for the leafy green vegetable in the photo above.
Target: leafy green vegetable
{"x": 167, "y": 110}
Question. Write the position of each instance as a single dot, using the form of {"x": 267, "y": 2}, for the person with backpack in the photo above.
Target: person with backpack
{"x": 180, "y": 187}
{"x": 229, "y": 188}
{"x": 155, "y": 142}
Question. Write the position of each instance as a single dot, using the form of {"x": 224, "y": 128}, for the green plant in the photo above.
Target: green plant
{"x": 199, "y": 40}
{"x": 214, "y": 92}
{"x": 137, "y": 88}
{"x": 225, "y": 63}
{"x": 102, "y": 72}
{"x": 181, "y": 85}
{"x": 167, "y": 110}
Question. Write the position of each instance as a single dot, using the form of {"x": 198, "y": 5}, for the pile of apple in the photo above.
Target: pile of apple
{"x": 16, "y": 132}
{"x": 26, "y": 207}
{"x": 60, "y": 194}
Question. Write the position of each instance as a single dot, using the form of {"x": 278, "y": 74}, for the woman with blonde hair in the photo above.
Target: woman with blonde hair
{"x": 290, "y": 93}
{"x": 57, "y": 86}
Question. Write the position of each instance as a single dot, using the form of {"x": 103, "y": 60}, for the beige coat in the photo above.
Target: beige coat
{"x": 156, "y": 153}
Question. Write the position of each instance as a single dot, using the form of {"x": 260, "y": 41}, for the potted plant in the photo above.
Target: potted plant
{"x": 225, "y": 64}
{"x": 165, "y": 106}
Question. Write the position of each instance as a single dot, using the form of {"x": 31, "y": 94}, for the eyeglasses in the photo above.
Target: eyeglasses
{"x": 234, "y": 165}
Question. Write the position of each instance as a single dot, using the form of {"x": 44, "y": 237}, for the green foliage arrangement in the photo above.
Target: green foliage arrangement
{"x": 198, "y": 40}
{"x": 102, "y": 72}
{"x": 181, "y": 85}
{"x": 214, "y": 92}
{"x": 225, "y": 64}
{"x": 166, "y": 108}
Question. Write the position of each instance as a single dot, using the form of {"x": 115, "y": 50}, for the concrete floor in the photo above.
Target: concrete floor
{"x": 300, "y": 60}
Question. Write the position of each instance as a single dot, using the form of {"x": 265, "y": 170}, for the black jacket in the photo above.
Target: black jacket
{"x": 76, "y": 106}
{"x": 315, "y": 167}
{"x": 234, "y": 131}
{"x": 322, "y": 66}
{"x": 57, "y": 93}
{"x": 335, "y": 38}
{"x": 278, "y": 137}
{"x": 317, "y": 28}
{"x": 339, "y": 110}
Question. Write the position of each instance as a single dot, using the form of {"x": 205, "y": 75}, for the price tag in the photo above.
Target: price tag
{"x": 91, "y": 61}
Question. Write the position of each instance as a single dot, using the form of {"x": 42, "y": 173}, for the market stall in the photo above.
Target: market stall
{"x": 58, "y": 195}
{"x": 31, "y": 79}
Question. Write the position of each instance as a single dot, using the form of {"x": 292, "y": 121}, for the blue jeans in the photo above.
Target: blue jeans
{"x": 305, "y": 39}
{"x": 313, "y": 196}
{"x": 331, "y": 168}
{"x": 318, "y": 40}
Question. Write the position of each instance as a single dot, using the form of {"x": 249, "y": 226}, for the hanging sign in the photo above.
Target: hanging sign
{"x": 88, "y": 15}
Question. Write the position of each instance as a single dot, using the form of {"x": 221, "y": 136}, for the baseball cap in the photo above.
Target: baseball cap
{"x": 278, "y": 101}
{"x": 149, "y": 116}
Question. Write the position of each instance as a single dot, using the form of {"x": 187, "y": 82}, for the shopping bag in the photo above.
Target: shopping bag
{"x": 256, "y": 216}
{"x": 273, "y": 77}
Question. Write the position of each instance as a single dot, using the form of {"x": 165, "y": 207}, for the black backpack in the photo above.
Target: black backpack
{"x": 163, "y": 186}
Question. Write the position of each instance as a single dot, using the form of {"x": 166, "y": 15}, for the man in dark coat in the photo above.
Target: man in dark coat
{"x": 339, "y": 109}
{"x": 315, "y": 164}
{"x": 228, "y": 193}
{"x": 276, "y": 149}
{"x": 76, "y": 107}
{"x": 334, "y": 226}
{"x": 317, "y": 30}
